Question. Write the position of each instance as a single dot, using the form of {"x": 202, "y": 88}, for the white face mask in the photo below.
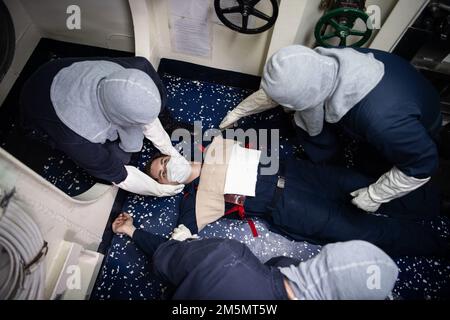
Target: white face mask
{"x": 178, "y": 169}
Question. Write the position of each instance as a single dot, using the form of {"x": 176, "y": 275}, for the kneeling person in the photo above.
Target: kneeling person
{"x": 219, "y": 269}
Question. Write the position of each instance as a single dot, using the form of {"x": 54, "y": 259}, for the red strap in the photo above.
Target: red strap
{"x": 239, "y": 209}
{"x": 253, "y": 228}
{"x": 201, "y": 148}
{"x": 241, "y": 212}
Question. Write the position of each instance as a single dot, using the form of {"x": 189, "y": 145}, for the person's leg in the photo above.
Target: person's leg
{"x": 396, "y": 237}
{"x": 216, "y": 269}
{"x": 316, "y": 204}
{"x": 307, "y": 217}
{"x": 329, "y": 182}
{"x": 420, "y": 205}
{"x": 337, "y": 183}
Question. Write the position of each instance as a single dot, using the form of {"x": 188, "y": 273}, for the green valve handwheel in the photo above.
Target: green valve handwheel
{"x": 342, "y": 21}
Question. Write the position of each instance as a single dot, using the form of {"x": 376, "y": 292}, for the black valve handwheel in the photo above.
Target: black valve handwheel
{"x": 247, "y": 8}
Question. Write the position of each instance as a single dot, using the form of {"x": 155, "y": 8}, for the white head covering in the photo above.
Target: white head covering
{"x": 355, "y": 270}
{"x": 101, "y": 100}
{"x": 321, "y": 84}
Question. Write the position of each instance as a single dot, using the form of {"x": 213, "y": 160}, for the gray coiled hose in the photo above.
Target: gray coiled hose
{"x": 22, "y": 249}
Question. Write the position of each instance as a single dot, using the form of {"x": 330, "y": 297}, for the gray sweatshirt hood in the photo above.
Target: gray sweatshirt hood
{"x": 355, "y": 270}
{"x": 321, "y": 84}
{"x": 101, "y": 100}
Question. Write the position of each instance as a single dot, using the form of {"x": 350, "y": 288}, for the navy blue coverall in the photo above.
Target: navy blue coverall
{"x": 315, "y": 206}
{"x": 213, "y": 269}
{"x": 104, "y": 161}
{"x": 397, "y": 124}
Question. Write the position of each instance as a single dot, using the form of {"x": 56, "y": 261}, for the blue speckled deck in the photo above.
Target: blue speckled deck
{"x": 66, "y": 175}
{"x": 126, "y": 273}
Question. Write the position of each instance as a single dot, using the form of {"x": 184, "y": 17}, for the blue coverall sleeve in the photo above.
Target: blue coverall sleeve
{"x": 405, "y": 142}
{"x": 96, "y": 159}
{"x": 187, "y": 212}
{"x": 147, "y": 242}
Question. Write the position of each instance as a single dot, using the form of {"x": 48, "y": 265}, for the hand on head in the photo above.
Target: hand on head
{"x": 123, "y": 225}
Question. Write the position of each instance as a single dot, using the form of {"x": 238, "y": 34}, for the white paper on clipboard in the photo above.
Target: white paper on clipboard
{"x": 190, "y": 27}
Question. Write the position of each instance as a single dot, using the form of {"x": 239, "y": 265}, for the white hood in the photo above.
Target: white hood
{"x": 321, "y": 84}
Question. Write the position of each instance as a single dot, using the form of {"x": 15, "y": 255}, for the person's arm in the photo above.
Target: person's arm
{"x": 147, "y": 242}
{"x": 409, "y": 147}
{"x": 151, "y": 245}
{"x": 99, "y": 162}
{"x": 140, "y": 183}
{"x": 392, "y": 185}
{"x": 96, "y": 159}
{"x": 258, "y": 102}
{"x": 160, "y": 139}
{"x": 187, "y": 210}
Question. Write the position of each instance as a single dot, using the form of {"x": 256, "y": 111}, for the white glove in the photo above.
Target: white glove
{"x": 140, "y": 183}
{"x": 256, "y": 103}
{"x": 363, "y": 201}
{"x": 182, "y": 234}
{"x": 160, "y": 139}
{"x": 392, "y": 185}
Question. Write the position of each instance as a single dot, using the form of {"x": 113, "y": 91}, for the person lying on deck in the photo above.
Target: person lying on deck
{"x": 222, "y": 269}
{"x": 304, "y": 201}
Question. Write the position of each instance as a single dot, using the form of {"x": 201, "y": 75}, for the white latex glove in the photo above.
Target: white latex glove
{"x": 362, "y": 200}
{"x": 256, "y": 103}
{"x": 182, "y": 234}
{"x": 140, "y": 183}
{"x": 392, "y": 185}
{"x": 160, "y": 139}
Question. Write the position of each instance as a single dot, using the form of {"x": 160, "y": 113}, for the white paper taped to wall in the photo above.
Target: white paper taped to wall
{"x": 190, "y": 27}
{"x": 193, "y": 9}
{"x": 234, "y": 18}
{"x": 191, "y": 37}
